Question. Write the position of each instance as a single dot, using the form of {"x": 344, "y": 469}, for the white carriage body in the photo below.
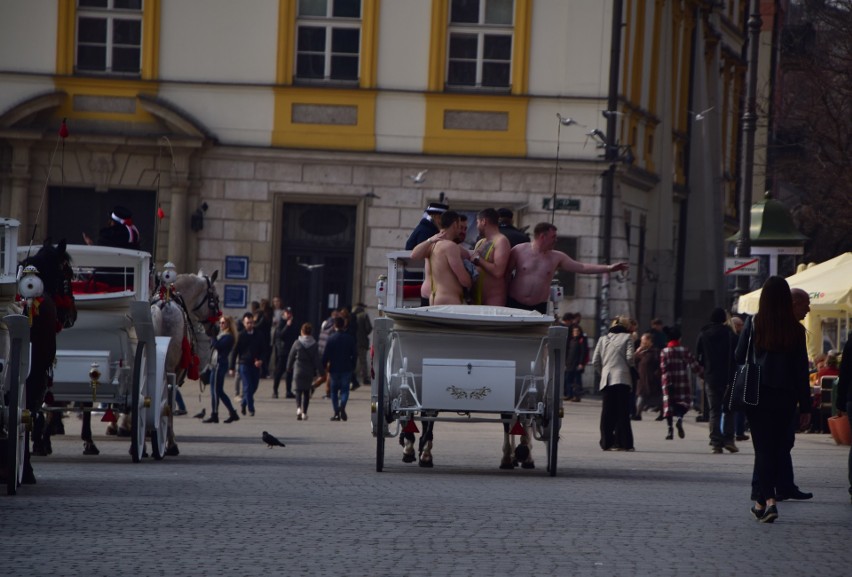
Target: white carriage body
{"x": 103, "y": 323}
{"x": 462, "y": 360}
{"x": 467, "y": 358}
{"x": 112, "y": 290}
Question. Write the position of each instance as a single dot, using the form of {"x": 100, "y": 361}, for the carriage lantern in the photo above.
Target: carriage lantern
{"x": 169, "y": 273}
{"x": 555, "y": 295}
{"x": 168, "y": 277}
{"x": 381, "y": 291}
{"x": 94, "y": 376}
{"x": 30, "y": 286}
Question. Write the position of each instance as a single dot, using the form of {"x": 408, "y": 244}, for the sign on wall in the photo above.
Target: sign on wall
{"x": 235, "y": 296}
{"x": 236, "y": 267}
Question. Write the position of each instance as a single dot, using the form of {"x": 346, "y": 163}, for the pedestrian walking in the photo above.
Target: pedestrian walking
{"x": 304, "y": 364}
{"x": 675, "y": 363}
{"x": 714, "y": 352}
{"x": 779, "y": 346}
{"x": 613, "y": 358}
{"x": 339, "y": 356}
{"x": 222, "y": 344}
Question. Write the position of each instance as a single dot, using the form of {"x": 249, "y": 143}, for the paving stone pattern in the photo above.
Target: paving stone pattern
{"x": 228, "y": 505}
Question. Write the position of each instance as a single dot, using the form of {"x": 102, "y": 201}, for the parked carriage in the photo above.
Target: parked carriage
{"x": 14, "y": 362}
{"x": 463, "y": 363}
{"x": 110, "y": 360}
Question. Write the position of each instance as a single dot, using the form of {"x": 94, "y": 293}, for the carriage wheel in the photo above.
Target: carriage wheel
{"x": 553, "y": 437}
{"x": 161, "y": 410}
{"x": 17, "y": 441}
{"x": 380, "y": 423}
{"x": 553, "y": 415}
{"x": 138, "y": 409}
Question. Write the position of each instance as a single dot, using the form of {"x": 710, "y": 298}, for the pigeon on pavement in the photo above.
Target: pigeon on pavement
{"x": 200, "y": 415}
{"x": 271, "y": 441}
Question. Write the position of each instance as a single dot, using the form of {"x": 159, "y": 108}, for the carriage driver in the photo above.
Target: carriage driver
{"x": 120, "y": 232}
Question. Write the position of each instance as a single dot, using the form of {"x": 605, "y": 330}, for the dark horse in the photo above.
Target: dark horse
{"x": 49, "y": 314}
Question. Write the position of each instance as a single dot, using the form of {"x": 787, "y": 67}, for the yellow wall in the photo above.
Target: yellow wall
{"x": 511, "y": 142}
{"x": 360, "y": 136}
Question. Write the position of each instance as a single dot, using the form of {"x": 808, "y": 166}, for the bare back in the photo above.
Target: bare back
{"x": 447, "y": 274}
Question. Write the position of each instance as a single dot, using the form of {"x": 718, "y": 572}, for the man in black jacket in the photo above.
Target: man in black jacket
{"x": 248, "y": 355}
{"x": 426, "y": 228}
{"x": 339, "y": 356}
{"x": 505, "y": 221}
{"x": 286, "y": 333}
{"x": 715, "y": 352}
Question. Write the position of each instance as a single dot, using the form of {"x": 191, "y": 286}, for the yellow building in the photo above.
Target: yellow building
{"x": 288, "y": 132}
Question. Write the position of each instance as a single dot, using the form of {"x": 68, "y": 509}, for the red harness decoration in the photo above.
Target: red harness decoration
{"x": 185, "y": 353}
{"x": 30, "y": 306}
{"x": 189, "y": 360}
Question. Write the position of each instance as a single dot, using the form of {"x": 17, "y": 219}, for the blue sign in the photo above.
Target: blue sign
{"x": 236, "y": 267}
{"x": 235, "y": 296}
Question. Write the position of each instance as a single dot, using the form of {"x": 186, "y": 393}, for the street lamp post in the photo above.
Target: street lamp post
{"x": 749, "y": 126}
{"x": 611, "y": 154}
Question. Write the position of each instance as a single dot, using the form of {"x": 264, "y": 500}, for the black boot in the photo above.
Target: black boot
{"x": 232, "y": 417}
{"x": 213, "y": 418}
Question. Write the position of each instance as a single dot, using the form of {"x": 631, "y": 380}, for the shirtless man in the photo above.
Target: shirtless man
{"x": 491, "y": 255}
{"x": 445, "y": 271}
{"x": 534, "y": 264}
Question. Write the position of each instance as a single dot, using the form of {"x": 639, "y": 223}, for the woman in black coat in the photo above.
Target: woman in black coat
{"x": 778, "y": 341}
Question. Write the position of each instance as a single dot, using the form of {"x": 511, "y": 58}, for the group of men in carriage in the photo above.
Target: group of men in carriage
{"x": 504, "y": 269}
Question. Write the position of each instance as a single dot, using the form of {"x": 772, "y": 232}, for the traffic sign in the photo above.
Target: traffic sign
{"x": 742, "y": 266}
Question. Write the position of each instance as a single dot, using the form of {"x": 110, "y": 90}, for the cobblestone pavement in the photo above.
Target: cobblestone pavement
{"x": 228, "y": 505}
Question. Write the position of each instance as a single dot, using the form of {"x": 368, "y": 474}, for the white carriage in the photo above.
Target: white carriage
{"x": 463, "y": 363}
{"x": 14, "y": 361}
{"x": 110, "y": 358}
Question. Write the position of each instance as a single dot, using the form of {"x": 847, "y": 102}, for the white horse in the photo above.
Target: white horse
{"x": 191, "y": 299}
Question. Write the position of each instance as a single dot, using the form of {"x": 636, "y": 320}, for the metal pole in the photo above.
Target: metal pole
{"x": 555, "y": 170}
{"x": 611, "y": 157}
{"x": 749, "y": 126}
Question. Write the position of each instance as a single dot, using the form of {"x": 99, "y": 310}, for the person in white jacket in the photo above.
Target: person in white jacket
{"x": 613, "y": 358}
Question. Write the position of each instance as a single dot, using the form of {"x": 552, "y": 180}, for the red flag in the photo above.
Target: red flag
{"x": 161, "y": 214}
{"x": 63, "y": 129}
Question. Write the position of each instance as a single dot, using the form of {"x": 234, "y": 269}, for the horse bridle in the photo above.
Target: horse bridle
{"x": 212, "y": 301}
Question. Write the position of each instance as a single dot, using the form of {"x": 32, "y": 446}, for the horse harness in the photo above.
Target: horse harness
{"x": 212, "y": 301}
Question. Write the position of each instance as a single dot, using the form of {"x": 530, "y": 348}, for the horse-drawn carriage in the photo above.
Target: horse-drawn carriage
{"x": 14, "y": 363}
{"x": 464, "y": 363}
{"x": 111, "y": 360}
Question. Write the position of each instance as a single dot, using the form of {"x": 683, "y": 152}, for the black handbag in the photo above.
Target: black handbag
{"x": 744, "y": 391}
{"x": 206, "y": 374}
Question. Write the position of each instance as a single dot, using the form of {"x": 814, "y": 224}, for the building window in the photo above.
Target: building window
{"x": 109, "y": 36}
{"x": 480, "y": 44}
{"x": 328, "y": 40}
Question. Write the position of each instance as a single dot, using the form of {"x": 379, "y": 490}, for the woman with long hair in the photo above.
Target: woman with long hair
{"x": 222, "y": 345}
{"x": 778, "y": 341}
